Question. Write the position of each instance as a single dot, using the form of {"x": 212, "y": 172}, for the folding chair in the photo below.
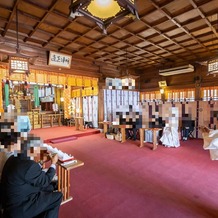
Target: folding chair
{"x": 188, "y": 127}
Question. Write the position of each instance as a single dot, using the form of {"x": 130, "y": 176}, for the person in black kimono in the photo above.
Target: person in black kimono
{"x": 133, "y": 118}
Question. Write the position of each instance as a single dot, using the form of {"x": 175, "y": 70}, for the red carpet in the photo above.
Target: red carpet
{"x": 62, "y": 134}
{"x": 125, "y": 181}
{"x": 62, "y": 139}
{"x": 71, "y": 137}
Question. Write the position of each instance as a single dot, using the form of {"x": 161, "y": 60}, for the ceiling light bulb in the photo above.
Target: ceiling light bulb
{"x": 103, "y": 2}
{"x": 103, "y": 8}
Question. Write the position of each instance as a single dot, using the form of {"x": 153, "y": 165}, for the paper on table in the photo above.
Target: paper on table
{"x": 69, "y": 162}
{"x": 61, "y": 155}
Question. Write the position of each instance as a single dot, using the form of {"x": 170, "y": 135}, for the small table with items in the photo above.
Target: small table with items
{"x": 123, "y": 130}
{"x": 64, "y": 169}
{"x": 65, "y": 164}
{"x": 121, "y": 127}
{"x": 105, "y": 125}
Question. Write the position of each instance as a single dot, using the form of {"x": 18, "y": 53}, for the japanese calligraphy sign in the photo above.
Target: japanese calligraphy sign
{"x": 59, "y": 59}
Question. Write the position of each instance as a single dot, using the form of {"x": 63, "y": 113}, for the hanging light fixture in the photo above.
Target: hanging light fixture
{"x": 103, "y": 12}
{"x": 18, "y": 63}
{"x": 212, "y": 64}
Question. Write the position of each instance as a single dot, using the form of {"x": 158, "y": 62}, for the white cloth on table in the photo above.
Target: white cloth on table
{"x": 170, "y": 137}
{"x": 149, "y": 135}
{"x": 10, "y": 108}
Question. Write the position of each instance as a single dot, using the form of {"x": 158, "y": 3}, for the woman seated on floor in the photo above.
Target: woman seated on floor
{"x": 210, "y": 137}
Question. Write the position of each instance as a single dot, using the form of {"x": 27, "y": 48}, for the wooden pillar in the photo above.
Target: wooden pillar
{"x": 81, "y": 104}
{"x": 1, "y": 97}
{"x": 67, "y": 98}
{"x": 101, "y": 104}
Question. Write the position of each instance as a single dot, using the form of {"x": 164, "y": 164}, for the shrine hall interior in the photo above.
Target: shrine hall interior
{"x": 142, "y": 66}
{"x": 164, "y": 47}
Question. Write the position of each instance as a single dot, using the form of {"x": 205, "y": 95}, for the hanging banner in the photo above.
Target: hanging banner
{"x": 36, "y": 96}
{"x": 6, "y": 94}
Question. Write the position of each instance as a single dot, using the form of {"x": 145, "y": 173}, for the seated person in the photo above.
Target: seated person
{"x": 8, "y": 139}
{"x": 187, "y": 129}
{"x": 23, "y": 123}
{"x": 26, "y": 187}
{"x": 170, "y": 137}
{"x": 16, "y": 126}
{"x": 131, "y": 117}
{"x": 7, "y": 147}
{"x": 131, "y": 133}
{"x": 88, "y": 124}
{"x": 210, "y": 137}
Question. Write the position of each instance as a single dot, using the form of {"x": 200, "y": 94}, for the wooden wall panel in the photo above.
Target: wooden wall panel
{"x": 150, "y": 77}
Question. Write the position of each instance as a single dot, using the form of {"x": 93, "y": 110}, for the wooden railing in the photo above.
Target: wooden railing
{"x": 50, "y": 119}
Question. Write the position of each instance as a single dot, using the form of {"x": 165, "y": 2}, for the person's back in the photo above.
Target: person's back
{"x": 3, "y": 158}
{"x": 27, "y": 189}
{"x": 20, "y": 183}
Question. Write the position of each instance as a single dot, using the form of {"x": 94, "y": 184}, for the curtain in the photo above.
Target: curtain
{"x": 85, "y": 109}
{"x": 36, "y": 96}
{"x": 117, "y": 98}
{"x": 90, "y": 109}
{"x": 6, "y": 95}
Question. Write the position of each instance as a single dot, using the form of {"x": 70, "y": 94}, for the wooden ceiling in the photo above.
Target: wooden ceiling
{"x": 169, "y": 33}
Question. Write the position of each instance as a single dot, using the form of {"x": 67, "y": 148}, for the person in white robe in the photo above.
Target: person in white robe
{"x": 170, "y": 137}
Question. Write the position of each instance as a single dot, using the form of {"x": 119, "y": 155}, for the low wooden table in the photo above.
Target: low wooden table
{"x": 121, "y": 127}
{"x": 64, "y": 178}
{"x": 105, "y": 125}
{"x": 123, "y": 130}
{"x": 142, "y": 136}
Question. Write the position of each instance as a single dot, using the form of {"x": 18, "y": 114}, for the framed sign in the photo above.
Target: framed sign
{"x": 18, "y": 64}
{"x": 59, "y": 59}
{"x": 162, "y": 83}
